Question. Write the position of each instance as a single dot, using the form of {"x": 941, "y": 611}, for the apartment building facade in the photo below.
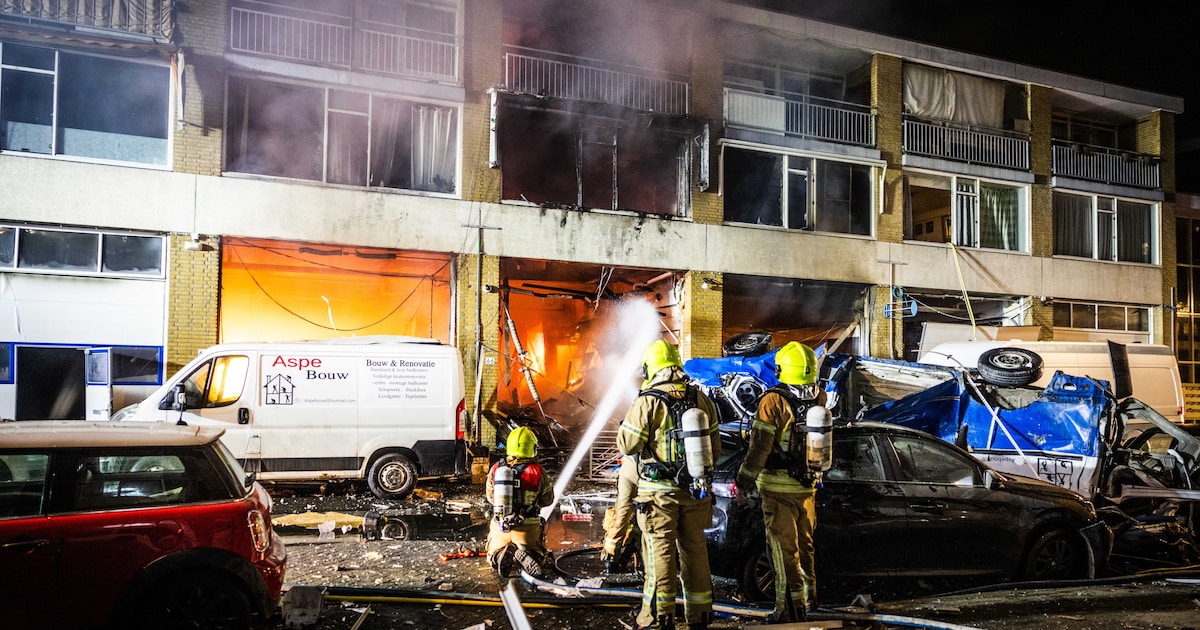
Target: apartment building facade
{"x": 507, "y": 175}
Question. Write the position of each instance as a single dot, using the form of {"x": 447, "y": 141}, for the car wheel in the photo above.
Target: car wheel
{"x": 392, "y": 476}
{"x": 1010, "y": 367}
{"x": 758, "y": 575}
{"x": 1054, "y": 555}
{"x": 747, "y": 345}
{"x": 203, "y": 599}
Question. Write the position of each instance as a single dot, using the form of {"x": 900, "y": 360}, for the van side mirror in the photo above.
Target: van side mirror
{"x": 180, "y": 402}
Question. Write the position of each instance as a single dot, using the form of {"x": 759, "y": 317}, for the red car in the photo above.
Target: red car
{"x": 131, "y": 526}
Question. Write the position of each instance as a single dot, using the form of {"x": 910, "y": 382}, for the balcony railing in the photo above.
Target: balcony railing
{"x": 1106, "y": 165}
{"x": 966, "y": 143}
{"x": 801, "y": 116}
{"x": 144, "y": 17}
{"x": 552, "y": 74}
{"x": 341, "y": 41}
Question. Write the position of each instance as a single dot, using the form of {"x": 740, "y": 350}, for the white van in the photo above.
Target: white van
{"x": 385, "y": 408}
{"x": 1154, "y": 374}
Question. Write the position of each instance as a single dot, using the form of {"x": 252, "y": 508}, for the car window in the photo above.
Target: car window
{"x": 22, "y": 483}
{"x": 930, "y": 462}
{"x": 855, "y": 458}
{"x": 104, "y": 479}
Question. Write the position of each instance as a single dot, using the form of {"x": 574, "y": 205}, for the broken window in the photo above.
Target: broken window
{"x": 966, "y": 211}
{"x": 557, "y": 157}
{"x": 340, "y": 136}
{"x": 60, "y": 103}
{"x": 796, "y": 192}
{"x": 1104, "y": 228}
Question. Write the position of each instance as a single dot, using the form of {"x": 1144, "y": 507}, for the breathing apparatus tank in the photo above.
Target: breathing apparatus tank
{"x": 697, "y": 449}
{"x": 818, "y": 423}
{"x": 503, "y": 495}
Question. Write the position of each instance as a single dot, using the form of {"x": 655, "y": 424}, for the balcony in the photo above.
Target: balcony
{"x": 801, "y": 116}
{"x": 1105, "y": 165}
{"x": 153, "y": 18}
{"x": 342, "y": 41}
{"x": 555, "y": 75}
{"x": 947, "y": 140}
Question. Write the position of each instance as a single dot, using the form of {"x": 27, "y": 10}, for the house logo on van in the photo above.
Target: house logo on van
{"x": 278, "y": 390}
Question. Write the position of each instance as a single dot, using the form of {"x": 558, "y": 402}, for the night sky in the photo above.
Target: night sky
{"x": 1147, "y": 45}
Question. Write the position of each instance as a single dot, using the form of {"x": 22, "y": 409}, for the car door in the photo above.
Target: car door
{"x": 961, "y": 526}
{"x": 29, "y": 545}
{"x": 861, "y": 512}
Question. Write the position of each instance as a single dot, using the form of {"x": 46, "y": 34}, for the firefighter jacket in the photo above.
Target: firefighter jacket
{"x": 774, "y": 416}
{"x": 534, "y": 491}
{"x": 644, "y": 431}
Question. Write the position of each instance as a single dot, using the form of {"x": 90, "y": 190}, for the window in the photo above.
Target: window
{"x": 928, "y": 462}
{"x": 80, "y": 252}
{"x": 1104, "y": 228}
{"x": 216, "y": 383}
{"x": 856, "y": 459}
{"x": 340, "y": 136}
{"x": 1101, "y": 317}
{"x": 136, "y": 365}
{"x": 985, "y": 214}
{"x": 22, "y": 483}
{"x": 140, "y": 477}
{"x": 819, "y": 195}
{"x": 562, "y": 158}
{"x": 60, "y": 103}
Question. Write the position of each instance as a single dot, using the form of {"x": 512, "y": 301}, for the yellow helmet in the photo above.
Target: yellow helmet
{"x": 659, "y": 356}
{"x": 521, "y": 443}
{"x": 796, "y": 364}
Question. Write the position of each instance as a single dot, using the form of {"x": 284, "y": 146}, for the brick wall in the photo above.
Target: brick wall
{"x": 193, "y": 278}
{"x": 707, "y": 104}
{"x": 701, "y": 311}
{"x": 198, "y": 137}
{"x": 886, "y": 97}
{"x": 469, "y": 301}
{"x": 483, "y": 54}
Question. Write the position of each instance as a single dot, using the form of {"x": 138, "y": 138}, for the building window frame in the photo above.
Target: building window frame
{"x": 80, "y": 252}
{"x": 1106, "y": 227}
{"x": 339, "y": 136}
{"x": 805, "y": 201}
{"x": 962, "y": 220}
{"x": 75, "y": 105}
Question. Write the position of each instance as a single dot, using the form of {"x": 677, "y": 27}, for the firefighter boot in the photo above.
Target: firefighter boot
{"x": 662, "y": 622}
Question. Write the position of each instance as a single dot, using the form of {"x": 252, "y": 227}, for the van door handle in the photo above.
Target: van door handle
{"x": 243, "y": 415}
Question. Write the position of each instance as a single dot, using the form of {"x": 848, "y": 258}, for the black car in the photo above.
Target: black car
{"x": 900, "y": 506}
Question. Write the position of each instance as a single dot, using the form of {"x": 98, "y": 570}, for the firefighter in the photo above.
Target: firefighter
{"x": 518, "y": 488}
{"x": 673, "y": 503}
{"x": 621, "y": 535}
{"x": 776, "y": 462}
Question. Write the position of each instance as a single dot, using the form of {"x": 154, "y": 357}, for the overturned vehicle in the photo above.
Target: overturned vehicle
{"x": 1141, "y": 471}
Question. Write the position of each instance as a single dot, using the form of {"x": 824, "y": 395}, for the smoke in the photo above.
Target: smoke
{"x": 636, "y": 326}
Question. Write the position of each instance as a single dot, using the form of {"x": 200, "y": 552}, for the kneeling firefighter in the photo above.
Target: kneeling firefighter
{"x": 672, "y": 429}
{"x": 518, "y": 488}
{"x": 789, "y": 448}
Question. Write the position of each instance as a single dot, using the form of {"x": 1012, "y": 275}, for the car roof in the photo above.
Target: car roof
{"x": 82, "y": 433}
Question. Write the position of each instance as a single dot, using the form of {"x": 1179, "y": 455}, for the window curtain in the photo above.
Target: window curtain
{"x": 386, "y": 170}
{"x": 1133, "y": 232}
{"x": 433, "y": 150}
{"x": 966, "y": 210}
{"x": 1073, "y": 231}
{"x": 347, "y": 154}
{"x": 998, "y": 217}
{"x": 944, "y": 95}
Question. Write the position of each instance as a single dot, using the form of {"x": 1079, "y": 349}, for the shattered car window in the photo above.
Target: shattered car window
{"x": 925, "y": 462}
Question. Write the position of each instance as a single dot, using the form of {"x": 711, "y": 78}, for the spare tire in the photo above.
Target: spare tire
{"x": 750, "y": 344}
{"x": 1009, "y": 367}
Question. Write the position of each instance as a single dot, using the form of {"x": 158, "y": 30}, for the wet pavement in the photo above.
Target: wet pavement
{"x": 399, "y": 579}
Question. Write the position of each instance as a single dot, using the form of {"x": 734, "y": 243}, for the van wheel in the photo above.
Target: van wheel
{"x": 392, "y": 476}
{"x": 1010, "y": 367}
